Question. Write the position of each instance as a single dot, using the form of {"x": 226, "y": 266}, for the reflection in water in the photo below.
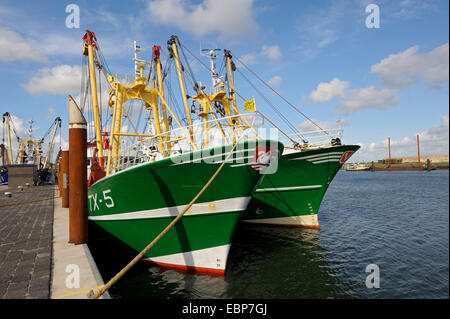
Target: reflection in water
{"x": 267, "y": 262}
{"x": 280, "y": 262}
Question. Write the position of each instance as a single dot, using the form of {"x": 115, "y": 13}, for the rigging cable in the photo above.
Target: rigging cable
{"x": 289, "y": 103}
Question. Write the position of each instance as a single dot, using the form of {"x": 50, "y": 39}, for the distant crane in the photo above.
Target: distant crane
{"x": 57, "y": 124}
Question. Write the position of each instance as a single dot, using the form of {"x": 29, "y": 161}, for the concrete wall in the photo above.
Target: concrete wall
{"x": 423, "y": 158}
{"x": 20, "y": 174}
{"x": 413, "y": 159}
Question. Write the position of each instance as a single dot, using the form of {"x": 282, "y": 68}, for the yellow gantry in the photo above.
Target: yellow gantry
{"x": 37, "y": 151}
{"x": 124, "y": 90}
{"x": 138, "y": 90}
{"x": 205, "y": 100}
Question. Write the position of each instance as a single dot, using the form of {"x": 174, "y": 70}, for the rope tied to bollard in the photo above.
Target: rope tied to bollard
{"x": 119, "y": 275}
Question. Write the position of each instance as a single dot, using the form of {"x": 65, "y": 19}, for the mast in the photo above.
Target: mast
{"x": 90, "y": 41}
{"x": 228, "y": 56}
{"x": 4, "y": 152}
{"x": 116, "y": 126}
{"x": 206, "y": 105}
{"x": 8, "y": 133}
{"x": 173, "y": 45}
{"x": 50, "y": 146}
{"x": 230, "y": 77}
{"x": 157, "y": 61}
{"x": 215, "y": 79}
{"x": 139, "y": 66}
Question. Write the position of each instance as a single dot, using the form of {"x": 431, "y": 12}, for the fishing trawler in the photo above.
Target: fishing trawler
{"x": 6, "y": 153}
{"x": 149, "y": 177}
{"x": 293, "y": 194}
{"x": 29, "y": 149}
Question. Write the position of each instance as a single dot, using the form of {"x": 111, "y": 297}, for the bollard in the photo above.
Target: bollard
{"x": 58, "y": 173}
{"x": 65, "y": 179}
{"x": 78, "y": 215}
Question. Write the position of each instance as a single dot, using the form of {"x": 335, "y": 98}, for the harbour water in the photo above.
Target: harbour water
{"x": 398, "y": 221}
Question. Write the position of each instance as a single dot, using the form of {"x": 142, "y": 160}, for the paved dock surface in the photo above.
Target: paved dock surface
{"x": 34, "y": 249}
{"x": 70, "y": 260}
{"x": 26, "y": 242}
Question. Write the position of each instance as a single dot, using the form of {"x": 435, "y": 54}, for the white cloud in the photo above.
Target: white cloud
{"x": 328, "y": 37}
{"x": 367, "y": 98}
{"x": 14, "y": 47}
{"x": 402, "y": 69}
{"x": 61, "y": 79}
{"x": 248, "y": 59}
{"x": 436, "y": 139}
{"x": 275, "y": 81}
{"x": 57, "y": 44}
{"x": 273, "y": 53}
{"x": 19, "y": 127}
{"x": 232, "y": 19}
{"x": 321, "y": 28}
{"x": 327, "y": 90}
{"x": 308, "y": 126}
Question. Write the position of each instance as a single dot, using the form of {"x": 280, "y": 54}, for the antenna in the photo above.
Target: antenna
{"x": 211, "y": 54}
{"x": 138, "y": 62}
{"x": 30, "y": 130}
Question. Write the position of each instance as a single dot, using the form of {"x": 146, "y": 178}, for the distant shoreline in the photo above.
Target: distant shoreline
{"x": 405, "y": 166}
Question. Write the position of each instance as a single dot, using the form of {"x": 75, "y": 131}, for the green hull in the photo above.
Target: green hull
{"x": 292, "y": 195}
{"x": 136, "y": 204}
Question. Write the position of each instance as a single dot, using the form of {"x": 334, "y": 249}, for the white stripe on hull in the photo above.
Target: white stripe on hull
{"x": 220, "y": 157}
{"x": 303, "y": 220}
{"x": 214, "y": 259}
{"x": 292, "y": 188}
{"x": 314, "y": 157}
{"x": 325, "y": 161}
{"x": 218, "y": 206}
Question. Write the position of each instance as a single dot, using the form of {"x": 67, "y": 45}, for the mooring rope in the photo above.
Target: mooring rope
{"x": 119, "y": 275}
{"x": 28, "y": 202}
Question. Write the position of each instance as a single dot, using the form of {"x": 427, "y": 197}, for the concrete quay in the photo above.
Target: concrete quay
{"x": 36, "y": 260}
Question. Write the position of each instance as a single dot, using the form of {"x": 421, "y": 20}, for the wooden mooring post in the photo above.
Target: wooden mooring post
{"x": 78, "y": 215}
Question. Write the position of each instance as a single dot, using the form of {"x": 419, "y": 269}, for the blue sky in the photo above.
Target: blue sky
{"x": 382, "y": 82}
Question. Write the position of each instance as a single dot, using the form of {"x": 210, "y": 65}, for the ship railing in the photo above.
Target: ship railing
{"x": 312, "y": 139}
{"x": 221, "y": 131}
